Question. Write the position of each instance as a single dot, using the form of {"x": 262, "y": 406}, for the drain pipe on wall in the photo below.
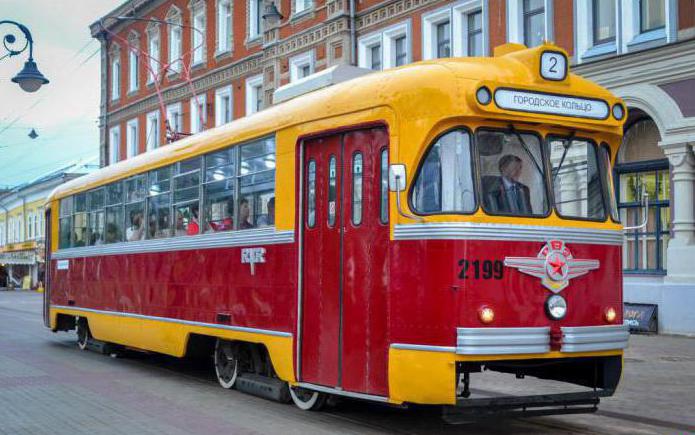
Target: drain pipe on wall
{"x": 353, "y": 42}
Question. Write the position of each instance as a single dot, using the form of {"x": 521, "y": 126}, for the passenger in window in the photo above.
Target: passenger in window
{"x": 224, "y": 224}
{"x": 193, "y": 227}
{"x": 245, "y": 215}
{"x": 506, "y": 194}
{"x": 136, "y": 230}
{"x": 112, "y": 233}
{"x": 269, "y": 218}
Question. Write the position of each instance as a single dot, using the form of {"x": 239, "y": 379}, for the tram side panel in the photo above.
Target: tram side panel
{"x": 209, "y": 286}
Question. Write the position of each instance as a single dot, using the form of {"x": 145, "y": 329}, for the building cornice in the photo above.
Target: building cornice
{"x": 657, "y": 65}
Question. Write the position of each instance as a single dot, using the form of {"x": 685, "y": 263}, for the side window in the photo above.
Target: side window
{"x": 257, "y": 184}
{"x": 332, "y": 176}
{"x": 96, "y": 217}
{"x": 357, "y": 188}
{"x": 135, "y": 208}
{"x": 114, "y": 213}
{"x": 311, "y": 195}
{"x": 577, "y": 185}
{"x": 187, "y": 197}
{"x": 444, "y": 183}
{"x": 384, "y": 206}
{"x": 65, "y": 223}
{"x": 219, "y": 190}
{"x": 79, "y": 221}
{"x": 158, "y": 203}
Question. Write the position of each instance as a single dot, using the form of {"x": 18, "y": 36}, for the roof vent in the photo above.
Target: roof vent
{"x": 319, "y": 80}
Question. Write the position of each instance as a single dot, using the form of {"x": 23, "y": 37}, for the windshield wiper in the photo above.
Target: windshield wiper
{"x": 523, "y": 144}
{"x": 566, "y": 147}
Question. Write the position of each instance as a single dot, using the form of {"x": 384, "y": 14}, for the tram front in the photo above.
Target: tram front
{"x": 512, "y": 243}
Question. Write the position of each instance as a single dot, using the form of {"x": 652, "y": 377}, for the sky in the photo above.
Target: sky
{"x": 64, "y": 112}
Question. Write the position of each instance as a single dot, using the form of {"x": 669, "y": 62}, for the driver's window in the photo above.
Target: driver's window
{"x": 512, "y": 173}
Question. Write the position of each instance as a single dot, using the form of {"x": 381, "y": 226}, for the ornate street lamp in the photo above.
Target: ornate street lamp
{"x": 272, "y": 15}
{"x": 29, "y": 78}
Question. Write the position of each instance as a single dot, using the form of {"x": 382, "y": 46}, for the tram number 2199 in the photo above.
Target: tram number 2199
{"x": 481, "y": 269}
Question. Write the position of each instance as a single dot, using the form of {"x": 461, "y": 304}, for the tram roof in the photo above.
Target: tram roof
{"x": 512, "y": 66}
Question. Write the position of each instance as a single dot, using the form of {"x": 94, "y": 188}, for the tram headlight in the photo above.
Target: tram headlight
{"x": 486, "y": 315}
{"x": 610, "y": 315}
{"x": 618, "y": 112}
{"x": 483, "y": 95}
{"x": 556, "y": 307}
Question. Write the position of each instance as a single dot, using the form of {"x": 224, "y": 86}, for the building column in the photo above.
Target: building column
{"x": 681, "y": 247}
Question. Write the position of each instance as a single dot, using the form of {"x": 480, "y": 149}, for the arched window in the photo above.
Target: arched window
{"x": 642, "y": 167}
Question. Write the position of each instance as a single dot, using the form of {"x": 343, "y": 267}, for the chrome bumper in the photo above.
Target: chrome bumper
{"x": 496, "y": 341}
{"x": 594, "y": 338}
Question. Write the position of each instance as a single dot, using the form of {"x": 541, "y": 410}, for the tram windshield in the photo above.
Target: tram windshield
{"x": 512, "y": 171}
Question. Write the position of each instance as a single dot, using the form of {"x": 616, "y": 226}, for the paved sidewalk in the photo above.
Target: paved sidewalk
{"x": 48, "y": 386}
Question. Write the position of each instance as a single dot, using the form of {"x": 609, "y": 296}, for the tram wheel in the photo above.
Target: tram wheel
{"x": 308, "y": 400}
{"x": 226, "y": 363}
{"x": 83, "y": 333}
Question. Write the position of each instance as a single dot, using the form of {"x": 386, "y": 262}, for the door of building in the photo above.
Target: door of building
{"x": 345, "y": 261}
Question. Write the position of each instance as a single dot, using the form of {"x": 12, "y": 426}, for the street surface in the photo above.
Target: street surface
{"x": 48, "y": 386}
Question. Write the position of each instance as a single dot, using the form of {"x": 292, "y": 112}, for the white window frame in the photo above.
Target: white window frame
{"x": 254, "y": 22}
{"x": 388, "y": 46}
{"x": 116, "y": 77}
{"x": 386, "y": 38}
{"x": 364, "y": 49}
{"x": 515, "y": 21}
{"x": 459, "y": 26}
{"x": 175, "y": 116}
{"x": 30, "y": 225}
{"x": 253, "y": 84}
{"x": 114, "y": 139}
{"x": 152, "y": 138}
{"x": 300, "y": 61}
{"x": 154, "y": 52}
{"x": 302, "y": 6}
{"x": 175, "y": 35}
{"x": 198, "y": 32}
{"x": 131, "y": 136}
{"x": 220, "y": 94}
{"x": 198, "y": 102}
{"x": 429, "y": 31}
{"x": 224, "y": 26}
{"x": 133, "y": 62}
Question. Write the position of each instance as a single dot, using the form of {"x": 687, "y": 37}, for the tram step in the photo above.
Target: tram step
{"x": 100, "y": 346}
{"x": 263, "y": 386}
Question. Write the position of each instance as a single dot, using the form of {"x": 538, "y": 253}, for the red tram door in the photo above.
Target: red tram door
{"x": 345, "y": 260}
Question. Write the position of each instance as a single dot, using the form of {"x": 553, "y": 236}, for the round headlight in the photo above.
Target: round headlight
{"x": 486, "y": 315}
{"x": 610, "y": 315}
{"x": 618, "y": 112}
{"x": 483, "y": 95}
{"x": 556, "y": 307}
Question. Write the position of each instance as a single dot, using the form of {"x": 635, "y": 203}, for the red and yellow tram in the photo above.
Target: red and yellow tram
{"x": 387, "y": 238}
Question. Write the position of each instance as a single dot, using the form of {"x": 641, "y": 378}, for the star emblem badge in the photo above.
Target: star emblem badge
{"x": 554, "y": 265}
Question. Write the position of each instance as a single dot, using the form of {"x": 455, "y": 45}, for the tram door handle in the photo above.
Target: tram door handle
{"x": 397, "y": 183}
{"x": 645, "y": 219}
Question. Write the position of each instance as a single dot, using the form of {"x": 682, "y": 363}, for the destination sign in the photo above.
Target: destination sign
{"x": 551, "y": 104}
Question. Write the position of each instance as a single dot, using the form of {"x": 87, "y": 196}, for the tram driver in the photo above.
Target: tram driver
{"x": 505, "y": 193}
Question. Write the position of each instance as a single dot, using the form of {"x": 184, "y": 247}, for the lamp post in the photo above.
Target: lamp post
{"x": 29, "y": 78}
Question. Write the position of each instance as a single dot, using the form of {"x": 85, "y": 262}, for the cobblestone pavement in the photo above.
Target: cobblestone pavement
{"x": 48, "y": 386}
